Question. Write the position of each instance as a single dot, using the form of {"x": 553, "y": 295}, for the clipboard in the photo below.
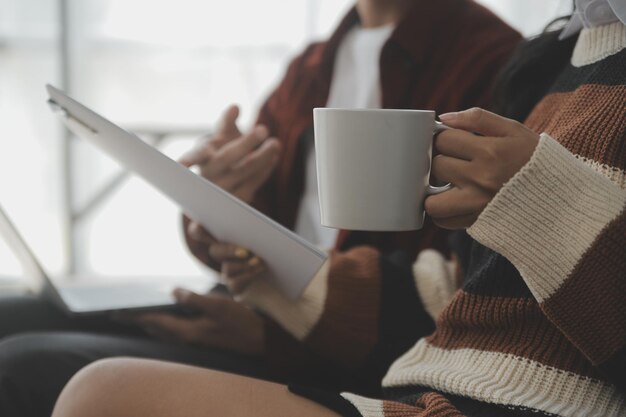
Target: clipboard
{"x": 291, "y": 260}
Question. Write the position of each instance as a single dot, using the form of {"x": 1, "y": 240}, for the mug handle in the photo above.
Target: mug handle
{"x": 432, "y": 190}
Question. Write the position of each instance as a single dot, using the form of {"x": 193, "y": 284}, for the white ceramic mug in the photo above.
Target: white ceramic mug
{"x": 373, "y": 167}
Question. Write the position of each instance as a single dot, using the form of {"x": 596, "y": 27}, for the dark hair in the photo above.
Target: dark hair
{"x": 531, "y": 70}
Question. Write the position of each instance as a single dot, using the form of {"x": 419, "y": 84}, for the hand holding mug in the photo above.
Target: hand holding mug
{"x": 478, "y": 164}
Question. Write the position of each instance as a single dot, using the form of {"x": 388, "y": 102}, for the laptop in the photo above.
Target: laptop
{"x": 95, "y": 299}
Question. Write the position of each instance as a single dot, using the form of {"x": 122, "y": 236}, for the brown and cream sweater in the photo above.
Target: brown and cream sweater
{"x": 539, "y": 324}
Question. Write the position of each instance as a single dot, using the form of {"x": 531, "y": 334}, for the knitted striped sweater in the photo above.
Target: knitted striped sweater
{"x": 539, "y": 326}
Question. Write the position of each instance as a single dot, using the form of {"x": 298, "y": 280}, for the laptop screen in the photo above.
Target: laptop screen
{"x": 21, "y": 259}
{"x": 10, "y": 266}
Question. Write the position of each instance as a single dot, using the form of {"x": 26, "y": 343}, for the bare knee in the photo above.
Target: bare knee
{"x": 133, "y": 387}
{"x": 100, "y": 389}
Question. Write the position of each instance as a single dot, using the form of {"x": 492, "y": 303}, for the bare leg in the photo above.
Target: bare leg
{"x": 133, "y": 387}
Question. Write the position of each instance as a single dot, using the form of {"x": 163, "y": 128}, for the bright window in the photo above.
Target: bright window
{"x": 162, "y": 68}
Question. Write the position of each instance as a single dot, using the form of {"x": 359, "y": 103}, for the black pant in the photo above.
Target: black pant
{"x": 41, "y": 349}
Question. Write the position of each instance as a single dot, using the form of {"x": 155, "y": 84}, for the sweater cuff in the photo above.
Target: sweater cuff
{"x": 435, "y": 281}
{"x": 299, "y": 316}
{"x": 546, "y": 217}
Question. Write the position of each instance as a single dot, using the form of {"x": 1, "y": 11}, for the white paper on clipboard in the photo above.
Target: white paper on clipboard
{"x": 292, "y": 261}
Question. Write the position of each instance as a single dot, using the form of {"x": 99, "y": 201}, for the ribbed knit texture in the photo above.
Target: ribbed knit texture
{"x": 579, "y": 210}
{"x": 539, "y": 325}
{"x": 430, "y": 404}
{"x": 612, "y": 39}
{"x": 435, "y": 281}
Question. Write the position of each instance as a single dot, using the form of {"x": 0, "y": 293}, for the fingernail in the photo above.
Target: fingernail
{"x": 448, "y": 117}
{"x": 181, "y": 294}
{"x": 241, "y": 253}
{"x": 193, "y": 231}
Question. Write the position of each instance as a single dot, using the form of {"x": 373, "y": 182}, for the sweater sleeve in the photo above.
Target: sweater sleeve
{"x": 428, "y": 404}
{"x": 563, "y": 226}
{"x": 358, "y": 314}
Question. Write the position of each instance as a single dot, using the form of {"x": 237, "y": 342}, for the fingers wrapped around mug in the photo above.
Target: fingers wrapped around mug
{"x": 240, "y": 267}
{"x": 478, "y": 155}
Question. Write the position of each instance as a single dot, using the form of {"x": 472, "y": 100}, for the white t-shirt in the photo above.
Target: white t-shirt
{"x": 355, "y": 84}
